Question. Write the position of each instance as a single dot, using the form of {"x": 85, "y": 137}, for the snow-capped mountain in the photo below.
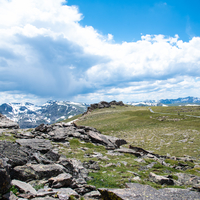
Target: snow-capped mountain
{"x": 28, "y": 115}
{"x": 164, "y": 102}
{"x": 180, "y": 100}
{"x": 145, "y": 103}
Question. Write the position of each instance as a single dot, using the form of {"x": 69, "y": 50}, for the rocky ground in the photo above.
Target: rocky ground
{"x": 31, "y": 166}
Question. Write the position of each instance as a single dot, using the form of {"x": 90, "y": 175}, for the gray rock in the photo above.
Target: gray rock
{"x": 160, "y": 179}
{"x": 10, "y": 196}
{"x": 65, "y": 193}
{"x": 188, "y": 179}
{"x": 126, "y": 150}
{"x": 74, "y": 167}
{"x": 85, "y": 189}
{"x": 116, "y": 141}
{"x": 23, "y": 187}
{"x": 50, "y": 155}
{"x": 13, "y": 152}
{"x": 44, "y": 198}
{"x": 145, "y": 192}
{"x": 41, "y": 145}
{"x": 37, "y": 171}
{"x": 46, "y": 191}
{"x": 91, "y": 164}
{"x": 7, "y": 123}
{"x": 4, "y": 177}
{"x": 101, "y": 139}
{"x": 93, "y": 194}
{"x": 62, "y": 180}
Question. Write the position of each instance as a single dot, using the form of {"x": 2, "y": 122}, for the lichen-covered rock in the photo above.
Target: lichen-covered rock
{"x": 13, "y": 152}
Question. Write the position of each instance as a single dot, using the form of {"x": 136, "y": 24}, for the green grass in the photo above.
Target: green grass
{"x": 142, "y": 128}
{"x": 10, "y": 138}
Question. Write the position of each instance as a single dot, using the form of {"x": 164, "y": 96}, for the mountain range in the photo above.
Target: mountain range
{"x": 28, "y": 115}
{"x": 187, "y": 101}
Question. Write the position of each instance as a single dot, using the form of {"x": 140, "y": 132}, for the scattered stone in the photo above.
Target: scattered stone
{"x": 93, "y": 194}
{"x": 62, "y": 180}
{"x": 188, "y": 179}
{"x": 160, "y": 179}
{"x": 91, "y": 164}
{"x": 24, "y": 187}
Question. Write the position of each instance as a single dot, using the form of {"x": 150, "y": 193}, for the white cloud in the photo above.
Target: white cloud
{"x": 45, "y": 52}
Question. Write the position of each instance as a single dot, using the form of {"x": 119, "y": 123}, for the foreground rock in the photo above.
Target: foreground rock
{"x": 4, "y": 176}
{"x": 139, "y": 192}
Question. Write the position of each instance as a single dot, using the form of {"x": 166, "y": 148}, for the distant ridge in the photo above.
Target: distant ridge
{"x": 163, "y": 102}
{"x": 28, "y": 115}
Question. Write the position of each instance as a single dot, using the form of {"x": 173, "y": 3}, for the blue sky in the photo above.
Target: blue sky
{"x": 88, "y": 51}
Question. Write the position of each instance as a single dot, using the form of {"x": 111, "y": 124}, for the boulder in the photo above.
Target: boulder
{"x": 126, "y": 150}
{"x": 74, "y": 167}
{"x": 10, "y": 196}
{"x": 65, "y": 193}
{"x": 92, "y": 195}
{"x": 14, "y": 153}
{"x": 116, "y": 141}
{"x": 37, "y": 171}
{"x": 41, "y": 145}
{"x": 91, "y": 164}
{"x": 24, "y": 187}
{"x": 101, "y": 139}
{"x": 4, "y": 176}
{"x": 188, "y": 179}
{"x": 160, "y": 179}
{"x": 7, "y": 123}
{"x": 138, "y": 192}
{"x": 62, "y": 180}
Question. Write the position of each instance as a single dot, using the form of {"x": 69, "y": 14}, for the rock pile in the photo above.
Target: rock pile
{"x": 104, "y": 104}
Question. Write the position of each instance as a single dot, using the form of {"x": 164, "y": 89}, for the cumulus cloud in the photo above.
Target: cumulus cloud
{"x": 45, "y": 53}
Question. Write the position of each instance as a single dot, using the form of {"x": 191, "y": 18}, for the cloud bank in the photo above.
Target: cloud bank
{"x": 46, "y": 54}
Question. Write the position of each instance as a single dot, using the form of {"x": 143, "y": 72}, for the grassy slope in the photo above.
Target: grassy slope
{"x": 142, "y": 128}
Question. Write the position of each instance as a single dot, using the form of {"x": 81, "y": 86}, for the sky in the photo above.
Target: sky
{"x": 89, "y": 51}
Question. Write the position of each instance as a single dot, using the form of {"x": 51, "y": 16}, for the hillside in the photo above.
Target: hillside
{"x": 172, "y": 132}
{"x": 88, "y": 158}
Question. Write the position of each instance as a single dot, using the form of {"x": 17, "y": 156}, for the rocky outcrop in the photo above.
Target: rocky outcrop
{"x": 6, "y": 123}
{"x": 61, "y": 132}
{"x": 103, "y": 104}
